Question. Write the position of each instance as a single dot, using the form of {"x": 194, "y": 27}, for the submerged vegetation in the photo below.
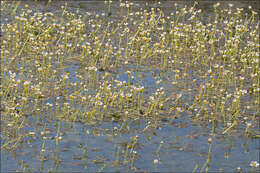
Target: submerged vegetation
{"x": 135, "y": 67}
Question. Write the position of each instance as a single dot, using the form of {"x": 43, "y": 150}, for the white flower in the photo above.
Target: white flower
{"x": 254, "y": 164}
{"x": 209, "y": 140}
{"x": 179, "y": 95}
{"x": 58, "y": 138}
{"x": 158, "y": 82}
{"x": 26, "y": 83}
{"x": 248, "y": 124}
{"x": 31, "y": 133}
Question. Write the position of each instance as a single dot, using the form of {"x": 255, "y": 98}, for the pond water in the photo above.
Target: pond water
{"x": 182, "y": 148}
{"x": 113, "y": 144}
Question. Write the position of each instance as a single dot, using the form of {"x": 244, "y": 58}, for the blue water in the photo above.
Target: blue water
{"x": 178, "y": 152}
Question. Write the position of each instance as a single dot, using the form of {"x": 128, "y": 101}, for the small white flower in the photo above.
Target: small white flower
{"x": 26, "y": 83}
{"x": 254, "y": 164}
{"x": 179, "y": 95}
{"x": 31, "y": 133}
{"x": 158, "y": 82}
{"x": 248, "y": 124}
{"x": 209, "y": 140}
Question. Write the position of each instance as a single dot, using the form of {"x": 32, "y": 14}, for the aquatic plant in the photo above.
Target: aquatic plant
{"x": 66, "y": 66}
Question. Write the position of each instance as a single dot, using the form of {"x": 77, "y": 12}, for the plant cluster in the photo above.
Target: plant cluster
{"x": 66, "y": 66}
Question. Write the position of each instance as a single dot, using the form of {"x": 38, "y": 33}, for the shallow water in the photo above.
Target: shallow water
{"x": 181, "y": 150}
{"x": 178, "y": 145}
